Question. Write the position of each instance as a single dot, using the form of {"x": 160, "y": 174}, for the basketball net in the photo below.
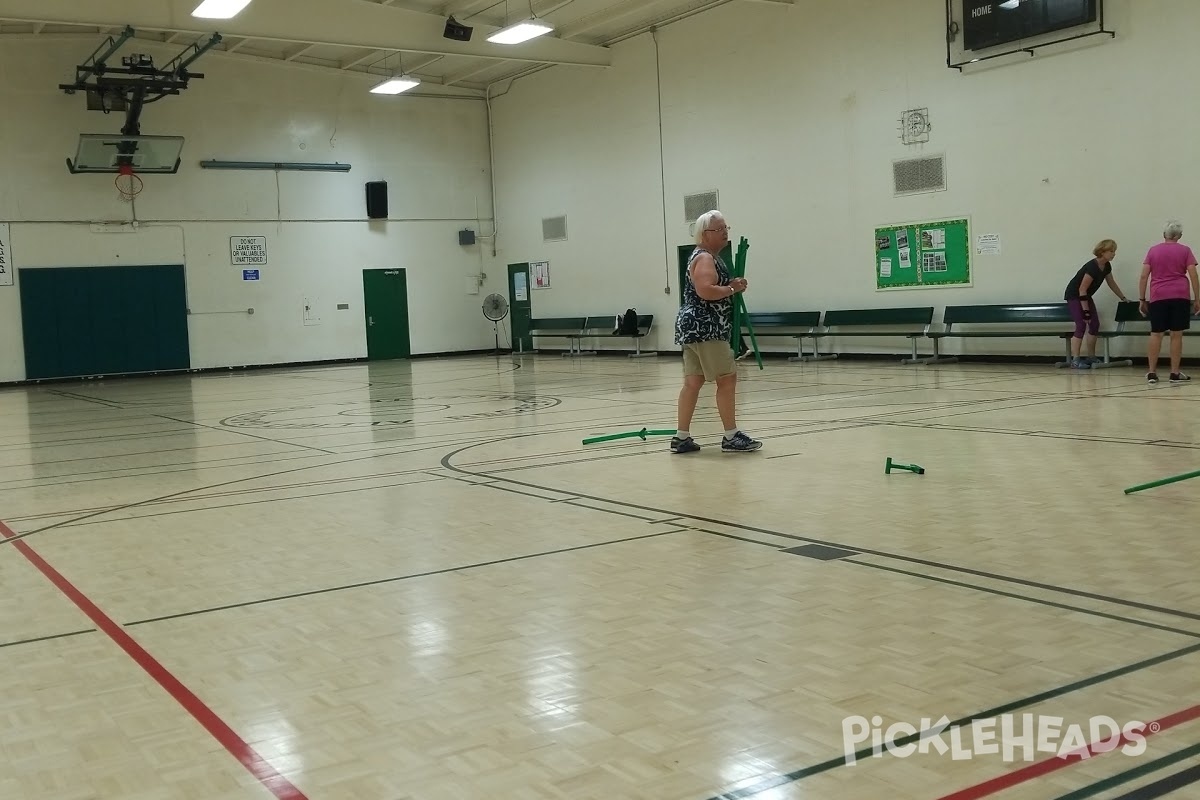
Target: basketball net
{"x": 129, "y": 185}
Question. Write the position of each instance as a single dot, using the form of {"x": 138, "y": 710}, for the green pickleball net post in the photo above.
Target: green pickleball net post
{"x": 740, "y": 315}
{"x": 642, "y": 434}
{"x": 1163, "y": 482}
{"x": 891, "y": 465}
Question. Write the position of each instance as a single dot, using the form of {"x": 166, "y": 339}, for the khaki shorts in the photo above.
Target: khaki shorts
{"x": 710, "y": 359}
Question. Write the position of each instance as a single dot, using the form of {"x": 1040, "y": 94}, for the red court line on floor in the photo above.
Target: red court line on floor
{"x": 1041, "y": 768}
{"x": 274, "y": 782}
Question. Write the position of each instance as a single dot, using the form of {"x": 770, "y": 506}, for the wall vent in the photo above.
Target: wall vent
{"x": 914, "y": 175}
{"x": 554, "y": 229}
{"x": 696, "y": 204}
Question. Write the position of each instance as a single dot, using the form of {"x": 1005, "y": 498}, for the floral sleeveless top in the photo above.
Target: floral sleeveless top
{"x": 701, "y": 320}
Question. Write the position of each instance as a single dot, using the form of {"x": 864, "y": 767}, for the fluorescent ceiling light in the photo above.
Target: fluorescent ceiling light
{"x": 520, "y": 32}
{"x": 395, "y": 86}
{"x": 220, "y": 9}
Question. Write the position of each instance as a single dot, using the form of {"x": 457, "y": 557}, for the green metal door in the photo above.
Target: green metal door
{"x": 385, "y": 308}
{"x": 520, "y": 307}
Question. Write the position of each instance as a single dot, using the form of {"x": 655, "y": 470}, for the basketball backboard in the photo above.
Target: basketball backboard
{"x": 104, "y": 152}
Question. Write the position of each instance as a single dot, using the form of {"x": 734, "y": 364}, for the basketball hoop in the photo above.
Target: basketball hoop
{"x": 128, "y": 184}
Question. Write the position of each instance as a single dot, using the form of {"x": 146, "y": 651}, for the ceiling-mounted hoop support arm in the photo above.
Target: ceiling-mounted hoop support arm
{"x": 95, "y": 64}
{"x": 178, "y": 66}
{"x": 137, "y": 83}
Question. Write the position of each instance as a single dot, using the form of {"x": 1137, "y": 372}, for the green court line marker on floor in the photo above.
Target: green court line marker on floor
{"x": 642, "y": 434}
{"x": 1163, "y": 482}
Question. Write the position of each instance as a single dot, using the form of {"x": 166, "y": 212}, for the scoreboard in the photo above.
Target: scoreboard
{"x": 987, "y": 23}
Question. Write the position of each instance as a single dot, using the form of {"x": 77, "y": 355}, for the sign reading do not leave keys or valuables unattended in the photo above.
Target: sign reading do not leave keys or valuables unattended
{"x": 248, "y": 250}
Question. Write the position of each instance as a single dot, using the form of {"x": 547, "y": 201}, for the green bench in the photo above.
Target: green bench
{"x": 605, "y": 326}
{"x": 870, "y": 321}
{"x": 569, "y": 328}
{"x": 795, "y": 324}
{"x": 1128, "y": 312}
{"x": 1052, "y": 317}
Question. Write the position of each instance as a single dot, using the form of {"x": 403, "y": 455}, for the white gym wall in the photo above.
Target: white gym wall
{"x": 432, "y": 152}
{"x": 792, "y": 114}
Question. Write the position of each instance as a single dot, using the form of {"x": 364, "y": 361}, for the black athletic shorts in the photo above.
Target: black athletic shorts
{"x": 1170, "y": 315}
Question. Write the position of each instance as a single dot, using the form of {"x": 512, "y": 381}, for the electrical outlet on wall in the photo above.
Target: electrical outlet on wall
{"x": 311, "y": 317}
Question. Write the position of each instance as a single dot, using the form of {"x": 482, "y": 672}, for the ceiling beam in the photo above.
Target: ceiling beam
{"x": 345, "y": 24}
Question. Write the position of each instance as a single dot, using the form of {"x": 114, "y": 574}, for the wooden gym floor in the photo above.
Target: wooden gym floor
{"x": 411, "y": 580}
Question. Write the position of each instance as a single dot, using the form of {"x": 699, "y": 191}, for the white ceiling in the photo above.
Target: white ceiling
{"x": 378, "y": 37}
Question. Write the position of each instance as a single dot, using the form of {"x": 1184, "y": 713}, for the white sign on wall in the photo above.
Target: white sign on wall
{"x": 987, "y": 244}
{"x": 6, "y": 267}
{"x": 248, "y": 251}
{"x": 541, "y": 274}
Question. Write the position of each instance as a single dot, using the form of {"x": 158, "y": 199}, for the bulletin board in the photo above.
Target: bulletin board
{"x": 923, "y": 254}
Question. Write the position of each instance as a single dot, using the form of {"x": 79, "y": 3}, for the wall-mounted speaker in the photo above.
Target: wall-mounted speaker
{"x": 377, "y": 200}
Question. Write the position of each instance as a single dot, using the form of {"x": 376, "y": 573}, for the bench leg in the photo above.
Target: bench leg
{"x": 576, "y": 348}
{"x": 637, "y": 349}
{"x": 937, "y": 357}
{"x": 817, "y": 355}
{"x": 1067, "y": 363}
{"x": 573, "y": 347}
{"x": 915, "y": 359}
{"x": 1108, "y": 362}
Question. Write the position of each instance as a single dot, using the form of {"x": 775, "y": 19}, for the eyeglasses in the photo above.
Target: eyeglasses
{"x": 725, "y": 229}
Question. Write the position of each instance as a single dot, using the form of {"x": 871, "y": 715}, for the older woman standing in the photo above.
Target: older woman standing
{"x": 1169, "y": 267}
{"x": 703, "y": 329}
{"x": 1079, "y": 294}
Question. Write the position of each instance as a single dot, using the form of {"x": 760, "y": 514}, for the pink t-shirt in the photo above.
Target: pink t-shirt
{"x": 1168, "y": 271}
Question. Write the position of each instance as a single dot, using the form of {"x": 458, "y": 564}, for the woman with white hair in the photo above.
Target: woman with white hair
{"x": 703, "y": 329}
{"x": 1169, "y": 268}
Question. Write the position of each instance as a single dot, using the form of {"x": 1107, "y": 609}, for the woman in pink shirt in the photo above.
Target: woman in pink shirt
{"x": 1169, "y": 268}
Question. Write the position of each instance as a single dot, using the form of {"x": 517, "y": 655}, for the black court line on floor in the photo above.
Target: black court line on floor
{"x": 446, "y": 463}
{"x": 232, "y": 482}
{"x": 732, "y": 536}
{"x": 35, "y": 484}
{"x": 397, "y": 578}
{"x": 233, "y": 493}
{"x": 594, "y": 508}
{"x": 241, "y": 432}
{"x": 1167, "y": 785}
{"x": 825, "y": 766}
{"x": 219, "y": 506}
{"x": 1025, "y": 598}
{"x": 49, "y": 638}
{"x": 154, "y": 469}
{"x": 825, "y": 553}
{"x": 107, "y": 457}
{"x": 1139, "y": 771}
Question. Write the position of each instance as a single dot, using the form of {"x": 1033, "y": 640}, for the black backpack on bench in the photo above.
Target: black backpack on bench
{"x": 628, "y": 325}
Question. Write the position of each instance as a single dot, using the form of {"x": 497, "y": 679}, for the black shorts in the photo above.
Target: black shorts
{"x": 1170, "y": 315}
